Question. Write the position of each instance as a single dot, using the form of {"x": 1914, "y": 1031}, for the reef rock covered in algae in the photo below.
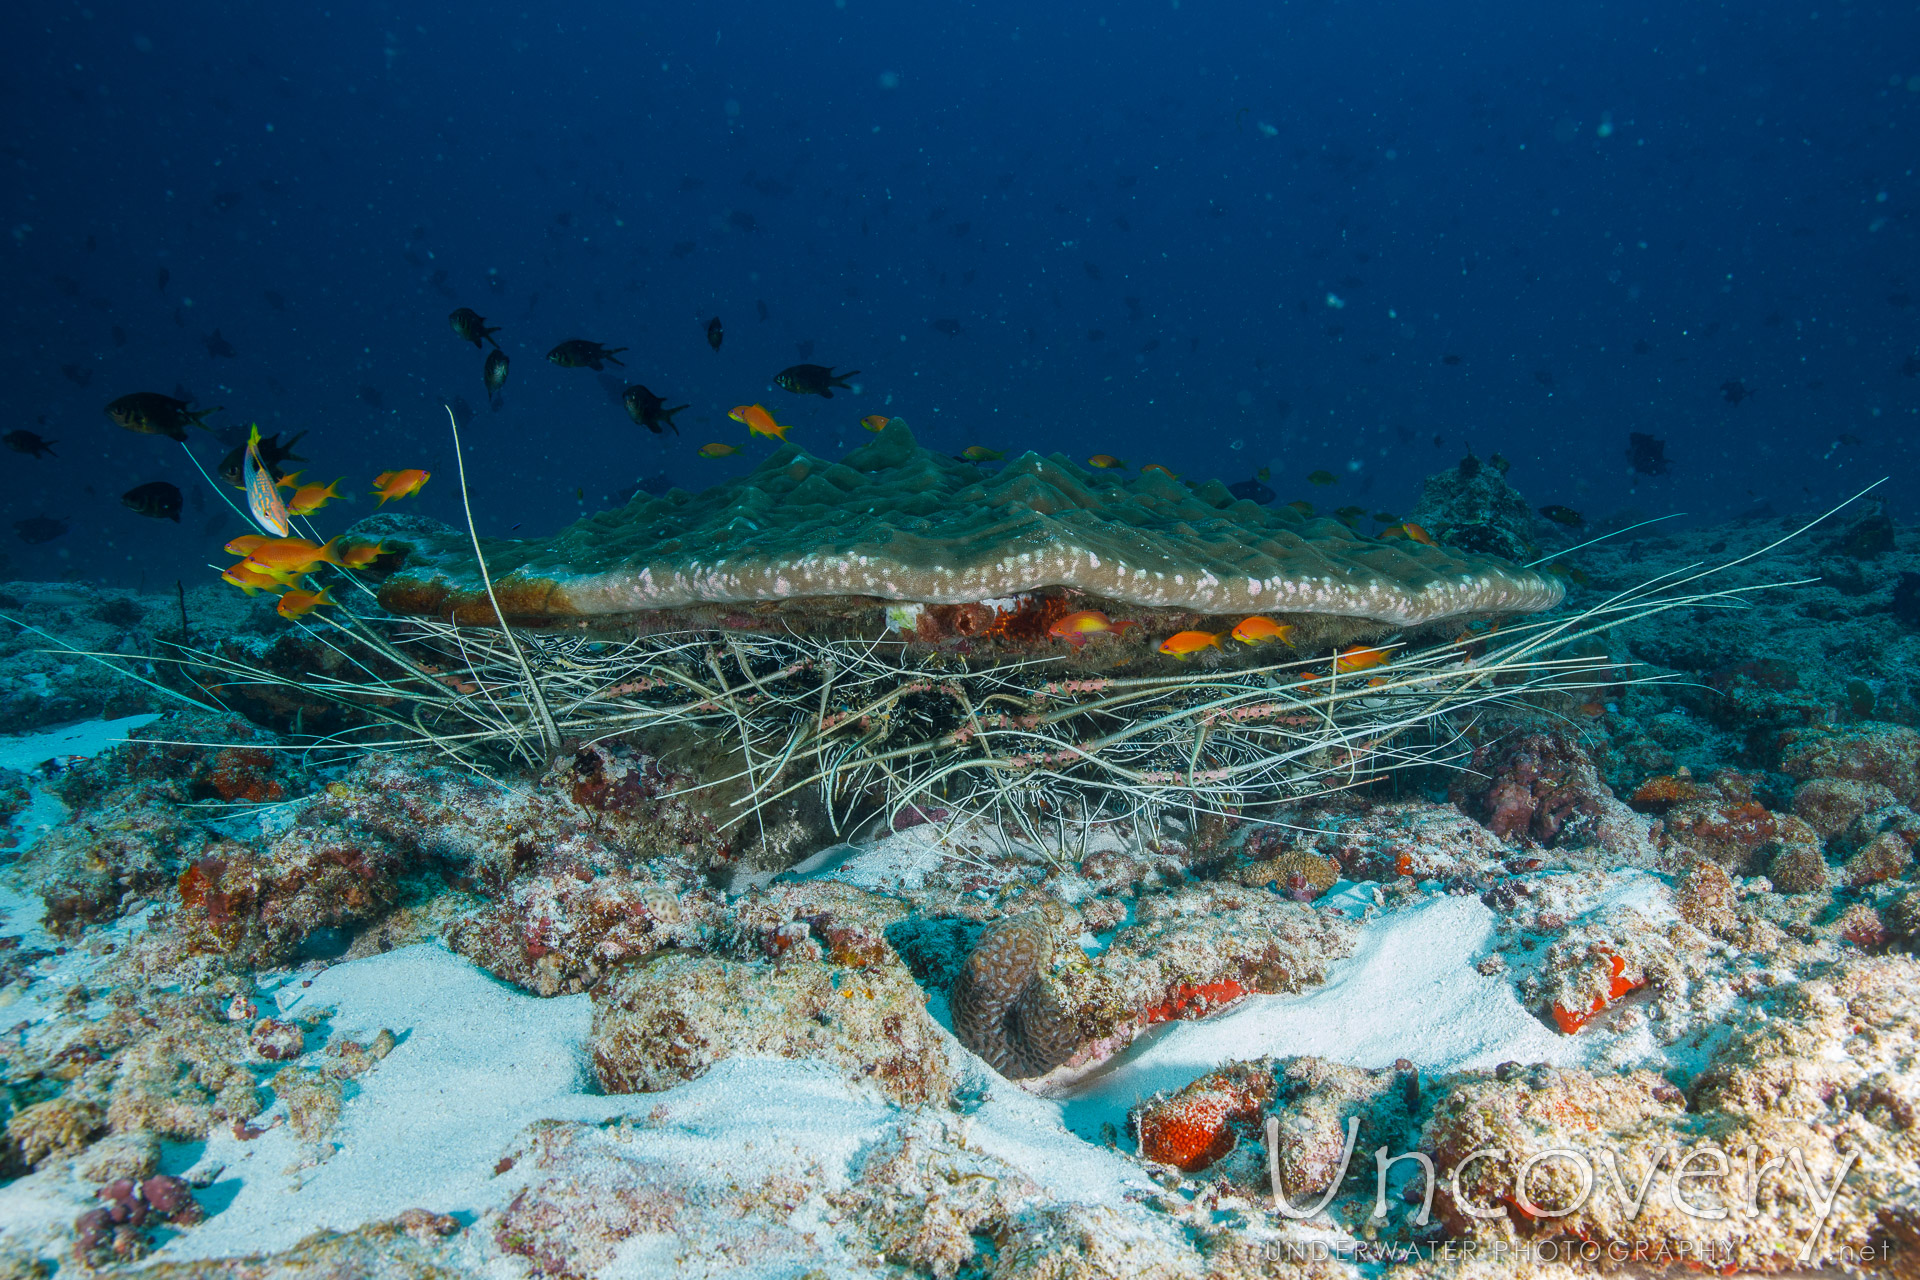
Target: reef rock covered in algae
{"x": 896, "y": 522}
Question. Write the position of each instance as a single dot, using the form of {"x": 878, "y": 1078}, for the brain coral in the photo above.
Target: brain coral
{"x": 895, "y": 521}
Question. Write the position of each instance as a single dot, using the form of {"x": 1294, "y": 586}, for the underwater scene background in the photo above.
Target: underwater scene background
{"x": 1220, "y": 237}
{"x": 1052, "y": 642}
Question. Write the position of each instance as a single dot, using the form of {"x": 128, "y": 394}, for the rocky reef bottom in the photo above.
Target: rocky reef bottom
{"x": 1630, "y": 990}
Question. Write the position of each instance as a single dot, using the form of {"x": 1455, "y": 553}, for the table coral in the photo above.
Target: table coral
{"x": 895, "y": 521}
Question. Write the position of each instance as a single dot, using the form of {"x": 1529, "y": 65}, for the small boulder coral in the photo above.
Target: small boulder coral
{"x": 1885, "y": 857}
{"x": 1884, "y": 754}
{"x": 660, "y": 1022}
{"x": 1003, "y": 1008}
{"x": 1799, "y": 869}
{"x": 1298, "y": 873}
{"x": 59, "y": 1126}
{"x": 1831, "y": 805}
{"x": 1706, "y": 898}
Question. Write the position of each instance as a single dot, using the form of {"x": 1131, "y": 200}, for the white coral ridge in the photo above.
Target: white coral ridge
{"x": 1365, "y": 596}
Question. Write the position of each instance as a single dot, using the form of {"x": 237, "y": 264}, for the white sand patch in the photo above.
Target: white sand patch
{"x": 479, "y": 1060}
{"x": 1409, "y": 991}
{"x": 25, "y": 751}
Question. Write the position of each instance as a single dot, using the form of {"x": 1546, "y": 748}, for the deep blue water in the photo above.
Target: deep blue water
{"x": 1360, "y": 237}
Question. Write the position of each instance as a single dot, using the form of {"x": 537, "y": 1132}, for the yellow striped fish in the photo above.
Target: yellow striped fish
{"x": 263, "y": 495}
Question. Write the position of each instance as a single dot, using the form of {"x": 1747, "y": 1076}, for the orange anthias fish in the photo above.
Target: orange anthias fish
{"x": 290, "y": 481}
{"x": 717, "y": 450}
{"x": 358, "y": 555}
{"x": 1106, "y": 462}
{"x": 298, "y": 604}
{"x": 1154, "y": 466}
{"x": 252, "y": 579}
{"x": 1411, "y": 532}
{"x": 1184, "y": 644}
{"x": 263, "y": 495}
{"x": 245, "y": 543}
{"x": 1359, "y": 658}
{"x": 309, "y": 498}
{"x": 399, "y": 484}
{"x": 291, "y": 555}
{"x": 1076, "y": 627}
{"x": 1257, "y": 630}
{"x": 875, "y": 421}
{"x": 759, "y": 421}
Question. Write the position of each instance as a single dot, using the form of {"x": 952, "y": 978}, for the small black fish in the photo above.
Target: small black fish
{"x": 160, "y": 279}
{"x": 469, "y": 324}
{"x": 715, "y": 333}
{"x": 1563, "y": 515}
{"x": 1734, "y": 392}
{"x": 38, "y": 529}
{"x": 495, "y": 374}
{"x": 28, "y": 442}
{"x": 1449, "y": 359}
{"x": 153, "y": 414}
{"x": 1911, "y": 366}
{"x": 1641, "y": 346}
{"x": 1499, "y": 463}
{"x": 272, "y": 454}
{"x": 813, "y": 380}
{"x": 948, "y": 326}
{"x": 218, "y": 347}
{"x": 1646, "y": 454}
{"x": 78, "y": 375}
{"x": 760, "y": 306}
{"x": 157, "y": 499}
{"x": 578, "y": 353}
{"x": 648, "y": 410}
{"x": 1252, "y": 491}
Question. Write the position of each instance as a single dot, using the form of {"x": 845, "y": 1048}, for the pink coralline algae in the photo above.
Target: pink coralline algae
{"x": 1531, "y": 787}
{"x": 117, "y": 1231}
